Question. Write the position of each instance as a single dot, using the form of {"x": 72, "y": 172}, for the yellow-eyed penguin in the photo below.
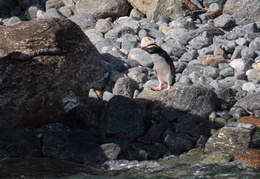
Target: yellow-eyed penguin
{"x": 163, "y": 65}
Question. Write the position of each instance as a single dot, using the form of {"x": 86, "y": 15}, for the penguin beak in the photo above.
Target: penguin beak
{"x": 143, "y": 47}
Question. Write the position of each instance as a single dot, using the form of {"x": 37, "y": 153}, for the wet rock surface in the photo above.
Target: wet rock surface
{"x": 78, "y": 83}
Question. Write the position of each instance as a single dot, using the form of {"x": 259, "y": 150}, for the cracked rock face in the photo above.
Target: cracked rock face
{"x": 45, "y": 67}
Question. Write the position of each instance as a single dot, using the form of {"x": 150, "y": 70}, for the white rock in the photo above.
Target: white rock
{"x": 248, "y": 86}
{"x": 240, "y": 65}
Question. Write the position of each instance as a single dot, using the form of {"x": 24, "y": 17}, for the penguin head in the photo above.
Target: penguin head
{"x": 152, "y": 48}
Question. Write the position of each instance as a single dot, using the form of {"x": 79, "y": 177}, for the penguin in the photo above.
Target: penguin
{"x": 163, "y": 65}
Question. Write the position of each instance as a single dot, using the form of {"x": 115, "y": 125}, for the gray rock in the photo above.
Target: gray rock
{"x": 253, "y": 74}
{"x": 108, "y": 43}
{"x": 189, "y": 56}
{"x": 114, "y": 63}
{"x": 231, "y": 138}
{"x": 183, "y": 22}
{"x": 200, "y": 42}
{"x": 229, "y": 47}
{"x": 251, "y": 102}
{"x": 205, "y": 17}
{"x": 118, "y": 32}
{"x": 141, "y": 56}
{"x": 128, "y": 41}
{"x": 231, "y": 6}
{"x": 248, "y": 86}
{"x": 107, "y": 95}
{"x": 31, "y": 12}
{"x": 110, "y": 8}
{"x": 207, "y": 3}
{"x": 255, "y": 44}
{"x": 185, "y": 79}
{"x": 224, "y": 65}
{"x": 140, "y": 78}
{"x": 227, "y": 72}
{"x": 237, "y": 112}
{"x": 249, "y": 11}
{"x": 104, "y": 25}
{"x": 52, "y": 13}
{"x": 157, "y": 9}
{"x": 195, "y": 100}
{"x": 135, "y": 13}
{"x": 85, "y": 21}
{"x": 128, "y": 22}
{"x": 211, "y": 72}
{"x": 142, "y": 33}
{"x": 125, "y": 118}
{"x": 179, "y": 66}
{"x": 125, "y": 87}
{"x": 198, "y": 68}
{"x": 13, "y": 20}
{"x": 224, "y": 21}
{"x": 228, "y": 81}
{"x": 240, "y": 75}
{"x": 94, "y": 35}
{"x": 248, "y": 53}
{"x": 241, "y": 41}
{"x": 56, "y": 4}
{"x": 174, "y": 47}
{"x": 139, "y": 69}
{"x": 237, "y": 52}
{"x": 70, "y": 3}
{"x": 66, "y": 11}
{"x": 154, "y": 33}
{"x": 180, "y": 34}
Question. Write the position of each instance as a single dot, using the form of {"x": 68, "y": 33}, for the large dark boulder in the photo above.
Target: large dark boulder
{"x": 45, "y": 66}
{"x": 125, "y": 118}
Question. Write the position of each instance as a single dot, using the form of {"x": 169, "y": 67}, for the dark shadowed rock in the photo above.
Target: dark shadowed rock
{"x": 86, "y": 117}
{"x": 69, "y": 144}
{"x": 18, "y": 143}
{"x": 45, "y": 66}
{"x": 104, "y": 152}
{"x": 125, "y": 118}
{"x": 177, "y": 143}
{"x": 6, "y": 7}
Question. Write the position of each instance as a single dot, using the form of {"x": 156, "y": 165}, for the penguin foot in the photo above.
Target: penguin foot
{"x": 158, "y": 88}
{"x": 169, "y": 87}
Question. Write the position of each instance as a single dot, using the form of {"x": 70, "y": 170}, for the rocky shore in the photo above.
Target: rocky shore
{"x": 75, "y": 89}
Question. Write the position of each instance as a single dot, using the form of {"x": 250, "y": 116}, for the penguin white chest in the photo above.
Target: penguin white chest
{"x": 162, "y": 68}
